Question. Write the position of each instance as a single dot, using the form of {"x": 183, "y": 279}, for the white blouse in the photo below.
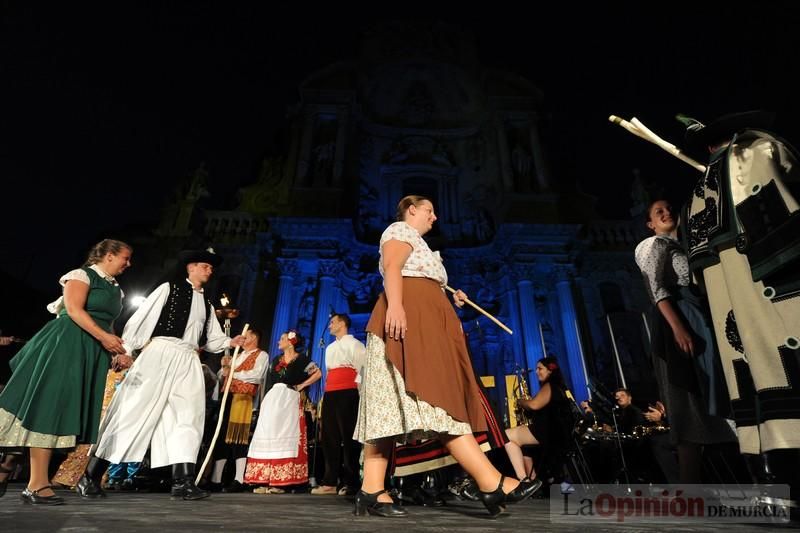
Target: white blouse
{"x": 345, "y": 352}
{"x": 139, "y": 328}
{"x": 80, "y": 275}
{"x": 422, "y": 263}
{"x": 256, "y": 374}
{"x": 664, "y": 266}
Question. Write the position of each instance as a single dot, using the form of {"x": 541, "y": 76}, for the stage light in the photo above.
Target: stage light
{"x": 137, "y": 300}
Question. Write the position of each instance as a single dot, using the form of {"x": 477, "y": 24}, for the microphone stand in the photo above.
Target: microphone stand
{"x": 618, "y": 440}
{"x": 312, "y": 480}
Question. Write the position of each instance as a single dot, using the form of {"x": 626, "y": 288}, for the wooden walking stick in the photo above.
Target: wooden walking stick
{"x": 221, "y": 409}
{"x": 482, "y": 311}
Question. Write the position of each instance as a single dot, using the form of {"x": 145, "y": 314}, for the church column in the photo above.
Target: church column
{"x": 569, "y": 325}
{"x": 539, "y": 164}
{"x": 328, "y": 270}
{"x": 287, "y": 271}
{"x": 530, "y": 321}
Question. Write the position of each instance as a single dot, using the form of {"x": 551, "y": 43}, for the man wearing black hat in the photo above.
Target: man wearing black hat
{"x": 743, "y": 241}
{"x": 161, "y": 403}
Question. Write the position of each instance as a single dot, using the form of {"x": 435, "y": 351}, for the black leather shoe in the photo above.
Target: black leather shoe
{"x": 232, "y": 487}
{"x": 113, "y": 484}
{"x": 183, "y": 486}
{"x": 33, "y": 497}
{"x": 128, "y": 485}
{"x": 422, "y": 497}
{"x": 524, "y": 490}
{"x": 89, "y": 488}
{"x": 368, "y": 503}
{"x": 185, "y": 489}
{"x": 494, "y": 501}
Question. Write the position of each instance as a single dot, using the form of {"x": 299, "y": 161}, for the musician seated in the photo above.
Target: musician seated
{"x": 648, "y": 428}
{"x": 545, "y": 410}
{"x": 628, "y": 415}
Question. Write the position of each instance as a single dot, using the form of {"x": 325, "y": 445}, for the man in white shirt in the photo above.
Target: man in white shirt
{"x": 344, "y": 359}
{"x": 250, "y": 369}
{"x": 161, "y": 403}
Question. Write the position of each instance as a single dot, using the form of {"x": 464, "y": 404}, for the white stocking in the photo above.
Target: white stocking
{"x": 219, "y": 466}
{"x": 240, "y": 464}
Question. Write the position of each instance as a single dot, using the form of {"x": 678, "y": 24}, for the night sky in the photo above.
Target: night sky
{"x": 105, "y": 109}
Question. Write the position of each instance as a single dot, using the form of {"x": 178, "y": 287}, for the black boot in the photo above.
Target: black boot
{"x": 89, "y": 484}
{"x": 183, "y": 486}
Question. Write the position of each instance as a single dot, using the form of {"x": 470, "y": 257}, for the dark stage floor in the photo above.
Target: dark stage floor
{"x": 123, "y": 512}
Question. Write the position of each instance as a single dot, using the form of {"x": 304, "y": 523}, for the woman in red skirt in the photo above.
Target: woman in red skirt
{"x": 418, "y": 381}
{"x": 277, "y": 456}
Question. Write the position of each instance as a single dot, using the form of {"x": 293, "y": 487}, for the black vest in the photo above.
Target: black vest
{"x": 175, "y": 313}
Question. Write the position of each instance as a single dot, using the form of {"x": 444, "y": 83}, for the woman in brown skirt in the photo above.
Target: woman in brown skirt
{"x": 418, "y": 380}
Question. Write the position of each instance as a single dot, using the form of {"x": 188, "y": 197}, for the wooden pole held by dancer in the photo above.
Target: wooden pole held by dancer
{"x": 482, "y": 311}
{"x": 221, "y": 409}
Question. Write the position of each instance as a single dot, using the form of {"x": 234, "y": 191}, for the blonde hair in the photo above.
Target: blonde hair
{"x": 106, "y": 246}
{"x": 408, "y": 201}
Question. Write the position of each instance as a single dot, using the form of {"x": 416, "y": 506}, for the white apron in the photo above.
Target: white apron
{"x": 277, "y": 434}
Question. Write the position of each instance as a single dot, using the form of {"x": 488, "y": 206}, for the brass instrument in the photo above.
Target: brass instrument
{"x": 521, "y": 392}
{"x": 646, "y": 431}
{"x": 309, "y": 406}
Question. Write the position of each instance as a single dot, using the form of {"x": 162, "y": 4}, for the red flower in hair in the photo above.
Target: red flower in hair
{"x": 551, "y": 366}
{"x": 291, "y": 336}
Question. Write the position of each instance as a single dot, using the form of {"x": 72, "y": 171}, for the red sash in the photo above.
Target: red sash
{"x": 341, "y": 378}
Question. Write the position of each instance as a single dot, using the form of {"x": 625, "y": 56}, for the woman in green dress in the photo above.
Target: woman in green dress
{"x": 54, "y": 396}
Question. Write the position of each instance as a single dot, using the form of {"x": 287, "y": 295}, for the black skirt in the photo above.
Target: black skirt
{"x": 691, "y": 388}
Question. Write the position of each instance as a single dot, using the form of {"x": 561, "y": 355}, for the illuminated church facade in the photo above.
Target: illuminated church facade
{"x": 416, "y": 113}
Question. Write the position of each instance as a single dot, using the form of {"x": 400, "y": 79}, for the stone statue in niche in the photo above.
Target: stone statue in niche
{"x": 518, "y": 136}
{"x": 323, "y": 162}
{"x": 305, "y": 313}
{"x": 479, "y": 222}
{"x": 365, "y": 287}
{"x": 484, "y": 225}
{"x": 477, "y": 152}
{"x": 541, "y": 303}
{"x": 398, "y": 153}
{"x": 323, "y": 151}
{"x": 521, "y": 162}
{"x": 369, "y": 216}
{"x": 439, "y": 155}
{"x": 418, "y": 104}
